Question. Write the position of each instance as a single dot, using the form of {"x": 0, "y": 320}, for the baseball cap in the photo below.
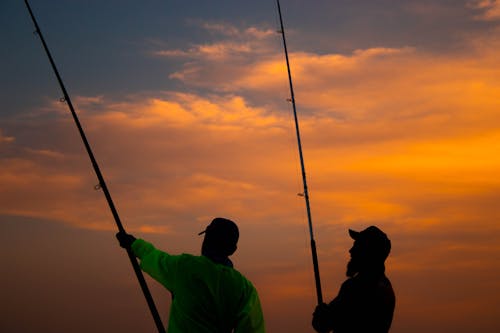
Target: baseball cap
{"x": 222, "y": 228}
{"x": 375, "y": 239}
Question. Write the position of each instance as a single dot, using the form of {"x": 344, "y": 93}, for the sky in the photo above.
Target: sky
{"x": 184, "y": 104}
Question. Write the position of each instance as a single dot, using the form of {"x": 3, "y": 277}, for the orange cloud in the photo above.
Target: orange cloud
{"x": 490, "y": 9}
{"x": 236, "y": 43}
{"x": 5, "y": 139}
{"x": 377, "y": 117}
{"x": 180, "y": 144}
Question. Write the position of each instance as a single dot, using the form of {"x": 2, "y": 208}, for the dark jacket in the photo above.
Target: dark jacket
{"x": 365, "y": 304}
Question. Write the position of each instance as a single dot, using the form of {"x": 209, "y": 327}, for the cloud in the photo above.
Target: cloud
{"x": 189, "y": 150}
{"x": 239, "y": 33}
{"x": 221, "y": 28}
{"x": 373, "y": 122}
{"x": 490, "y": 9}
{"x": 46, "y": 152}
{"x": 4, "y": 139}
{"x": 230, "y": 42}
{"x": 218, "y": 51}
{"x": 153, "y": 229}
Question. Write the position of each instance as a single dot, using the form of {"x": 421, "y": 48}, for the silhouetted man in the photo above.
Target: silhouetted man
{"x": 208, "y": 294}
{"x": 365, "y": 303}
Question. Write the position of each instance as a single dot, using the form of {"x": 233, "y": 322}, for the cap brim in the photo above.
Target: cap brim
{"x": 354, "y": 234}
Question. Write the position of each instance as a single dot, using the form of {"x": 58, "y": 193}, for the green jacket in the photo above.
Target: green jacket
{"x": 207, "y": 297}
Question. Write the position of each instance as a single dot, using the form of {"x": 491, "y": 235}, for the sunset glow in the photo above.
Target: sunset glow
{"x": 400, "y": 129}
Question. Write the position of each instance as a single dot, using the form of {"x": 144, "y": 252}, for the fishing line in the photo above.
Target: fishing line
{"x": 102, "y": 184}
{"x": 305, "y": 194}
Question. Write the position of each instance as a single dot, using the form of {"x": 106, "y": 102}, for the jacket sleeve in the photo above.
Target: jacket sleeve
{"x": 251, "y": 319}
{"x": 333, "y": 316}
{"x": 160, "y": 265}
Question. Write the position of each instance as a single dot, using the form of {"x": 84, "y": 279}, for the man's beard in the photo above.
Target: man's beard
{"x": 355, "y": 266}
{"x": 352, "y": 268}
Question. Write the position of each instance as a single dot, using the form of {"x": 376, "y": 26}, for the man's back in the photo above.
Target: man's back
{"x": 364, "y": 304}
{"x": 207, "y": 297}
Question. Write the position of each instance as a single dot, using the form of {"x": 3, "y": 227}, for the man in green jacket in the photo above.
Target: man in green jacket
{"x": 208, "y": 294}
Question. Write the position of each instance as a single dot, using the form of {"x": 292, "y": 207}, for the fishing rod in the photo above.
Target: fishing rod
{"x": 303, "y": 168}
{"x": 102, "y": 184}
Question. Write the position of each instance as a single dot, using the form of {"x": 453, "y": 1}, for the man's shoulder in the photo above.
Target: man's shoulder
{"x": 191, "y": 259}
{"x": 349, "y": 283}
{"x": 230, "y": 276}
{"x": 370, "y": 282}
{"x": 206, "y": 262}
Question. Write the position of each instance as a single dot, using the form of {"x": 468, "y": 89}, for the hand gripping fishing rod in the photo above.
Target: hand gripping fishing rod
{"x": 102, "y": 183}
{"x": 304, "y": 181}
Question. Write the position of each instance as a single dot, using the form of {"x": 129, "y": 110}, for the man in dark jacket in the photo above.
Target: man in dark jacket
{"x": 366, "y": 301}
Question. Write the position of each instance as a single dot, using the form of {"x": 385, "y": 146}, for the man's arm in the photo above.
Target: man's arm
{"x": 321, "y": 321}
{"x": 335, "y": 315}
{"x": 158, "y": 264}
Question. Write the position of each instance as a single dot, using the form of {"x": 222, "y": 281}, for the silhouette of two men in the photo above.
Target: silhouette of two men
{"x": 209, "y": 295}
